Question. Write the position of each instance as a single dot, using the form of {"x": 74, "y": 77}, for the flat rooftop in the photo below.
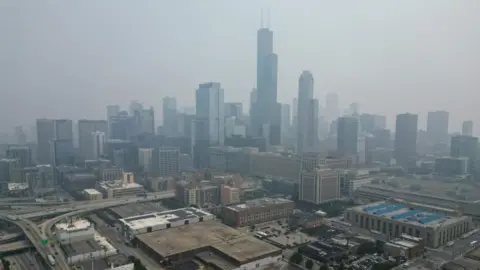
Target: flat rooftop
{"x": 165, "y": 217}
{"x": 259, "y": 203}
{"x": 92, "y": 191}
{"x": 103, "y": 263}
{"x": 136, "y": 209}
{"x": 227, "y": 241}
{"x": 404, "y": 213}
{"x": 74, "y": 226}
{"x": 81, "y": 247}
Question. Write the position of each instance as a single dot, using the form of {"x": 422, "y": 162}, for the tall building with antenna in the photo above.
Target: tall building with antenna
{"x": 266, "y": 110}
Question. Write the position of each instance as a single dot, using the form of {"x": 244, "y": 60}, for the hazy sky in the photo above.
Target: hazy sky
{"x": 71, "y": 58}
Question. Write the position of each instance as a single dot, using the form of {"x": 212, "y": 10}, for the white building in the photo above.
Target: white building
{"x": 119, "y": 188}
{"x": 79, "y": 230}
{"x": 351, "y": 180}
{"x": 135, "y": 225}
{"x": 145, "y": 159}
{"x": 210, "y": 124}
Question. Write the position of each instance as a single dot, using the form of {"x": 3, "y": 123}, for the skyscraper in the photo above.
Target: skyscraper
{"x": 285, "y": 122}
{"x": 252, "y": 113}
{"x": 48, "y": 130}
{"x": 467, "y": 128}
{"x": 304, "y": 115}
{"x": 97, "y": 145}
{"x": 22, "y": 153}
{"x": 170, "y": 112}
{"x": 147, "y": 121}
{"x": 234, "y": 109}
{"x": 122, "y": 126}
{"x": 209, "y": 122}
{"x": 332, "y": 107}
{"x": 465, "y": 146}
{"x": 266, "y": 112}
{"x": 437, "y": 127}
{"x": 347, "y": 136}
{"x": 112, "y": 111}
{"x": 85, "y": 130}
{"x": 406, "y": 131}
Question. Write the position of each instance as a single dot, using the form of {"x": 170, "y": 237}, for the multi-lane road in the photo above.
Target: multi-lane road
{"x": 35, "y": 212}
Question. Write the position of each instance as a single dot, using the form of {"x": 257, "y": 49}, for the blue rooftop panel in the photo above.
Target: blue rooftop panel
{"x": 431, "y": 218}
{"x": 388, "y": 209}
{"x": 375, "y": 207}
{"x": 406, "y": 214}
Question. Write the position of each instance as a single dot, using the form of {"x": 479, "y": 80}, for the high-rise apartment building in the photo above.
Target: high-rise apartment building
{"x": 371, "y": 122}
{"x": 467, "y": 128}
{"x": 319, "y": 185}
{"x": 48, "y": 130}
{"x": 170, "y": 123}
{"x": 465, "y": 146}
{"x": 41, "y": 178}
{"x": 437, "y": 127}
{"x": 209, "y": 122}
{"x": 62, "y": 152}
{"x": 306, "y": 118}
{"x": 85, "y": 130}
{"x": 145, "y": 160}
{"x": 168, "y": 161}
{"x": 10, "y": 172}
{"x": 405, "y": 145}
{"x": 347, "y": 136}
{"x": 22, "y": 153}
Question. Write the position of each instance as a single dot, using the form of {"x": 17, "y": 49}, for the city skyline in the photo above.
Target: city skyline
{"x": 137, "y": 78}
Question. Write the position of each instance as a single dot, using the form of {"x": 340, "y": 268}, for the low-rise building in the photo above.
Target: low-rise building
{"x": 351, "y": 180}
{"x": 406, "y": 246}
{"x": 392, "y": 219}
{"x": 257, "y": 211}
{"x": 92, "y": 194}
{"x": 88, "y": 250}
{"x": 79, "y": 230}
{"x": 118, "y": 188}
{"x": 229, "y": 195}
{"x": 451, "y": 166}
{"x": 157, "y": 184}
{"x": 136, "y": 225}
{"x": 305, "y": 220}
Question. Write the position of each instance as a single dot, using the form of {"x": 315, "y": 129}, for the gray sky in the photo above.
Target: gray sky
{"x": 71, "y": 58}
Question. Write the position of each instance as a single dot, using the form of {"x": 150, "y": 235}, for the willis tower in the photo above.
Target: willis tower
{"x": 266, "y": 110}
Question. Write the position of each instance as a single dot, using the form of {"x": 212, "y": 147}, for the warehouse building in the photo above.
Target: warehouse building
{"x": 213, "y": 244}
{"x": 393, "y": 219}
{"x": 257, "y": 211}
{"x": 136, "y": 225}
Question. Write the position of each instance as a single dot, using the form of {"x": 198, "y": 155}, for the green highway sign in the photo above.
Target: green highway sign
{"x": 44, "y": 242}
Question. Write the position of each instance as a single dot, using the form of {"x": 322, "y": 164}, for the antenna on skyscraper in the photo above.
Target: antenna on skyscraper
{"x": 268, "y": 17}
{"x": 261, "y": 18}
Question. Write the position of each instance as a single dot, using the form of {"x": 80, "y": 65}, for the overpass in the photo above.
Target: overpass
{"x": 95, "y": 204}
{"x": 15, "y": 246}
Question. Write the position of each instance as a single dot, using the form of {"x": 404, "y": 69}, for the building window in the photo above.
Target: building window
{"x": 186, "y": 222}
{"x": 149, "y": 229}
{"x": 201, "y": 219}
{"x": 169, "y": 225}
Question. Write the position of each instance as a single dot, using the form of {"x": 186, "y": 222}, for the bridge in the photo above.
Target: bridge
{"x": 15, "y": 246}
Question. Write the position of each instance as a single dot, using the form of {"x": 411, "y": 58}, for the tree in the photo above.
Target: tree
{"x": 324, "y": 267}
{"x": 342, "y": 266}
{"x": 309, "y": 264}
{"x": 296, "y": 258}
{"x": 5, "y": 264}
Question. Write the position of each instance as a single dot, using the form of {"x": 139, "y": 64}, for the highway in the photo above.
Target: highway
{"x": 78, "y": 205}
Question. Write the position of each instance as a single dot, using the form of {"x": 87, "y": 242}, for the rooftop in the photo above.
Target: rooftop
{"x": 258, "y": 203}
{"x": 404, "y": 213}
{"x": 119, "y": 184}
{"x": 74, "y": 226}
{"x": 136, "y": 209}
{"x": 232, "y": 243}
{"x": 92, "y": 191}
{"x": 81, "y": 247}
{"x": 152, "y": 219}
{"x": 103, "y": 263}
